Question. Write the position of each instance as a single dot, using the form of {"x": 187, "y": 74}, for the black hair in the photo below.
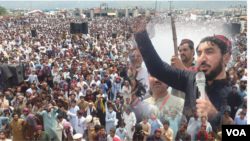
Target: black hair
{"x": 190, "y": 46}
{"x": 73, "y": 101}
{"x": 102, "y": 127}
{"x": 215, "y": 41}
{"x": 122, "y": 124}
{"x": 97, "y": 127}
{"x": 59, "y": 117}
{"x": 226, "y": 111}
{"x": 39, "y": 100}
{"x": 166, "y": 122}
{"x": 185, "y": 126}
{"x": 140, "y": 89}
{"x": 79, "y": 112}
{"x": 112, "y": 130}
{"x": 145, "y": 117}
{"x": 244, "y": 106}
{"x": 13, "y": 114}
{"x": 243, "y": 87}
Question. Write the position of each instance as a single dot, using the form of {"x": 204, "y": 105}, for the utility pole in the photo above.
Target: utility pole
{"x": 160, "y": 7}
{"x": 170, "y": 6}
{"x": 155, "y": 6}
{"x": 31, "y": 5}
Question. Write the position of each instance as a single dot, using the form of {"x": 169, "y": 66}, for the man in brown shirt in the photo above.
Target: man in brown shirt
{"x": 182, "y": 134}
{"x": 226, "y": 119}
{"x": 83, "y": 104}
{"x": 167, "y": 133}
{"x": 145, "y": 127}
{"x": 21, "y": 105}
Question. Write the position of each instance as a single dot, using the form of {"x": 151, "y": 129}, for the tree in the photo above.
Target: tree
{"x": 2, "y": 10}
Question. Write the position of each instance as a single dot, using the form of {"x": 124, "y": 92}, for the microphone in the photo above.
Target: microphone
{"x": 201, "y": 83}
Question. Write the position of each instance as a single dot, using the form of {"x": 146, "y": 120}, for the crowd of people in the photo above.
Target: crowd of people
{"x": 93, "y": 87}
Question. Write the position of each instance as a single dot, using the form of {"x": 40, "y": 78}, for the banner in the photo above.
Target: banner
{"x": 97, "y": 11}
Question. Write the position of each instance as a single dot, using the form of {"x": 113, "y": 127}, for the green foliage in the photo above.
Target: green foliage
{"x": 2, "y": 10}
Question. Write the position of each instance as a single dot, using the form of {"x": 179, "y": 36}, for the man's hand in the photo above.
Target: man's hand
{"x": 206, "y": 107}
{"x": 235, "y": 107}
{"x": 3, "y": 127}
{"x": 133, "y": 128}
{"x": 176, "y": 62}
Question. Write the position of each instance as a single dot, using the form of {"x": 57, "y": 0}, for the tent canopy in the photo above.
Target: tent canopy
{"x": 111, "y": 14}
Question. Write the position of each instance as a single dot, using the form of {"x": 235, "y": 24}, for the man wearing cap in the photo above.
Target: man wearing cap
{"x": 212, "y": 57}
{"x": 187, "y": 61}
{"x": 41, "y": 135}
{"x": 202, "y": 135}
{"x": 156, "y": 136}
{"x": 182, "y": 134}
{"x": 90, "y": 110}
{"x": 100, "y": 107}
{"x": 78, "y": 137}
{"x": 18, "y": 108}
{"x": 32, "y": 77}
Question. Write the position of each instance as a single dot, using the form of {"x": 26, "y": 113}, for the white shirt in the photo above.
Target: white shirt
{"x": 80, "y": 123}
{"x": 238, "y": 112}
{"x": 109, "y": 138}
{"x": 129, "y": 119}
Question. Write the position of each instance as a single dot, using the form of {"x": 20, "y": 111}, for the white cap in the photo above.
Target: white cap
{"x": 77, "y": 136}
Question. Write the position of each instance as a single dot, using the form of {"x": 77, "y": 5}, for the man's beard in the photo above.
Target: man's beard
{"x": 215, "y": 72}
{"x": 186, "y": 59}
{"x": 157, "y": 138}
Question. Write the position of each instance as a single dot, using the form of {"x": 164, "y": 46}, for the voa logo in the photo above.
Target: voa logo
{"x": 236, "y": 132}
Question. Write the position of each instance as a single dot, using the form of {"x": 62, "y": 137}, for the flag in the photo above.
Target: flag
{"x": 192, "y": 16}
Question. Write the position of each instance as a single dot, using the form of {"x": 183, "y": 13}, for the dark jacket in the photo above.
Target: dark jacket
{"x": 182, "y": 80}
{"x": 151, "y": 138}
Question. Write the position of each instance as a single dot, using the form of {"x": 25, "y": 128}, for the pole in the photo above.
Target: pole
{"x": 155, "y": 6}
{"x": 31, "y": 5}
{"x": 170, "y": 6}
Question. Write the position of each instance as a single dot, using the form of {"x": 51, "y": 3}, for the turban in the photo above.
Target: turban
{"x": 225, "y": 40}
{"x": 187, "y": 41}
{"x": 204, "y": 125}
{"x": 26, "y": 110}
{"x": 66, "y": 124}
{"x": 39, "y": 127}
{"x": 158, "y": 130}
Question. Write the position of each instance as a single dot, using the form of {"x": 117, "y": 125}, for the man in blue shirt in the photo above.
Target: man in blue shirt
{"x": 242, "y": 92}
{"x": 241, "y": 120}
{"x": 156, "y": 136}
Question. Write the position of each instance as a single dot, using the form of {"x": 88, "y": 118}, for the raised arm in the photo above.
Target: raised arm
{"x": 158, "y": 68}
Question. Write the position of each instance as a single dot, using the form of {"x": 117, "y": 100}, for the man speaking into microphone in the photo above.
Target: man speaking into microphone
{"x": 212, "y": 58}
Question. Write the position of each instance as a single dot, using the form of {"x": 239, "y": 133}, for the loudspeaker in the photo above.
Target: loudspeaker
{"x": 12, "y": 75}
{"x": 79, "y": 28}
{"x": 85, "y": 28}
{"x": 17, "y": 72}
{"x": 33, "y": 33}
{"x": 72, "y": 27}
{"x": 113, "y": 35}
{"x": 236, "y": 28}
{"x": 227, "y": 29}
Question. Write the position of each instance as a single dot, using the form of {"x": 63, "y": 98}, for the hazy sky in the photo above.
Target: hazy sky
{"x": 144, "y": 4}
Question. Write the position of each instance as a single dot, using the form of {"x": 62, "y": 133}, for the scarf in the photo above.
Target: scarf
{"x": 88, "y": 111}
{"x": 102, "y": 106}
{"x": 31, "y": 121}
{"x": 71, "y": 131}
{"x": 199, "y": 135}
